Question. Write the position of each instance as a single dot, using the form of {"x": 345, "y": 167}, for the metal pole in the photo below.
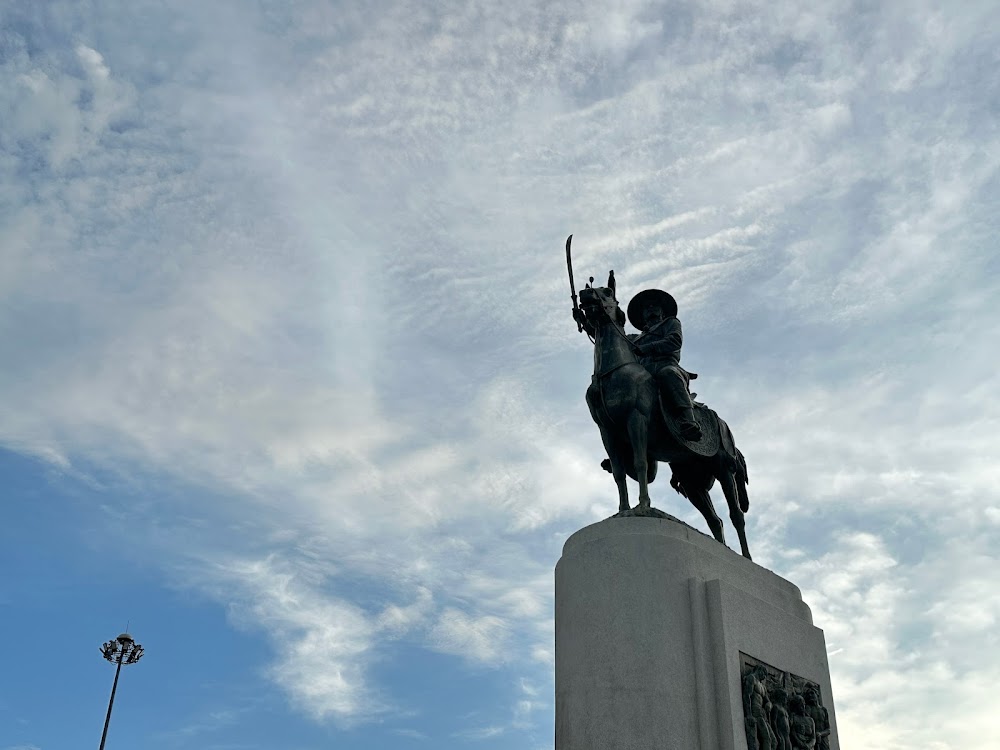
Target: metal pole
{"x": 111, "y": 703}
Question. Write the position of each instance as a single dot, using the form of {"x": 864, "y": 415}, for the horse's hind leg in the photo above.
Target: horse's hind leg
{"x": 700, "y": 499}
{"x": 729, "y": 486}
{"x": 617, "y": 468}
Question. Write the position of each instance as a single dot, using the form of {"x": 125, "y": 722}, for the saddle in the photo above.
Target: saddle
{"x": 707, "y": 420}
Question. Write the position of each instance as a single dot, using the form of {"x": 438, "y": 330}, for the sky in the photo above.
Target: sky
{"x": 291, "y": 388}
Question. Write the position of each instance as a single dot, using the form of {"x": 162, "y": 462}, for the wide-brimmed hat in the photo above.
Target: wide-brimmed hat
{"x": 648, "y": 298}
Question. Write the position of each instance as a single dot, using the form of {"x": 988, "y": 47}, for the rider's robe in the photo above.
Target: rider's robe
{"x": 661, "y": 355}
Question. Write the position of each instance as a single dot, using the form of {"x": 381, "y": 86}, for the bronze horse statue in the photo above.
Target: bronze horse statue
{"x": 625, "y": 403}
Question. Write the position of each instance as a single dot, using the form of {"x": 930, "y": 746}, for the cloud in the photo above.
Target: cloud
{"x": 475, "y": 638}
{"x": 891, "y": 653}
{"x": 411, "y": 733}
{"x": 207, "y": 722}
{"x": 63, "y": 114}
{"x": 395, "y": 619}
{"x": 481, "y": 733}
{"x": 520, "y": 722}
{"x": 312, "y": 268}
{"x": 527, "y": 705}
{"x": 324, "y": 643}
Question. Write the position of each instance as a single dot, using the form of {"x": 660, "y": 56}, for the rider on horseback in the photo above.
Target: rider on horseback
{"x": 654, "y": 312}
{"x": 631, "y": 374}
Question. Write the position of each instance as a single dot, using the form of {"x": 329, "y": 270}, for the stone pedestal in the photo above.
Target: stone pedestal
{"x": 653, "y": 622}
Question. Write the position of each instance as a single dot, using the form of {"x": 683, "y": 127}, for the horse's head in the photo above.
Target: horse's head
{"x": 599, "y": 303}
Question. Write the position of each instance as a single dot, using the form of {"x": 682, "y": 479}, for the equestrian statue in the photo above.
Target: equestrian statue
{"x": 639, "y": 397}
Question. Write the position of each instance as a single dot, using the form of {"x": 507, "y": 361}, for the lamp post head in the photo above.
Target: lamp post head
{"x": 123, "y": 649}
{"x": 120, "y": 650}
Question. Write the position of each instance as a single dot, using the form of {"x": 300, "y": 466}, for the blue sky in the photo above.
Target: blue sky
{"x": 291, "y": 385}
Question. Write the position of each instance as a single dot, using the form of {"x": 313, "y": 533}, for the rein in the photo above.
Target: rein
{"x": 619, "y": 332}
{"x": 598, "y": 376}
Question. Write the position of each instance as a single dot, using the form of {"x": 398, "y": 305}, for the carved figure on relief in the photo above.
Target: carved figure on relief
{"x": 803, "y": 727}
{"x": 757, "y": 709}
{"x": 779, "y": 718}
{"x": 820, "y": 717}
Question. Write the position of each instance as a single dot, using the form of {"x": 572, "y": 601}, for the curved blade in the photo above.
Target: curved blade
{"x": 572, "y": 286}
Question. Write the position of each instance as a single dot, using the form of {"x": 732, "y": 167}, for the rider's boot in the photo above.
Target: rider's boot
{"x": 687, "y": 425}
{"x": 674, "y": 391}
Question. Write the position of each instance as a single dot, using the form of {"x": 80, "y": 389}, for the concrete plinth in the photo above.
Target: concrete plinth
{"x": 651, "y": 620}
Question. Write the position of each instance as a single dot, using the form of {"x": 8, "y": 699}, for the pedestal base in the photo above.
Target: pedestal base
{"x": 656, "y": 628}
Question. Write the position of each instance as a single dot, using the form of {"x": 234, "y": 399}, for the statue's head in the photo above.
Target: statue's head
{"x": 598, "y": 302}
{"x": 649, "y": 307}
{"x": 812, "y": 695}
{"x": 796, "y": 705}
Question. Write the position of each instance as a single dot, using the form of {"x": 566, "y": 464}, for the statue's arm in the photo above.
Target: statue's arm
{"x": 580, "y": 318}
{"x": 747, "y": 696}
{"x": 668, "y": 339}
{"x": 824, "y": 730}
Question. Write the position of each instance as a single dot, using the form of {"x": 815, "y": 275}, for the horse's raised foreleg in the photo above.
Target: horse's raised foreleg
{"x": 729, "y": 485}
{"x": 617, "y": 468}
{"x": 638, "y": 434}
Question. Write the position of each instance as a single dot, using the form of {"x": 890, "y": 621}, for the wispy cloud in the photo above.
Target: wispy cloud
{"x": 324, "y": 643}
{"x": 308, "y": 261}
{"x": 411, "y": 733}
{"x": 481, "y": 733}
{"x": 478, "y": 638}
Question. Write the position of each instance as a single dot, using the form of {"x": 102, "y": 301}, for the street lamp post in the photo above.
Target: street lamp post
{"x": 121, "y": 650}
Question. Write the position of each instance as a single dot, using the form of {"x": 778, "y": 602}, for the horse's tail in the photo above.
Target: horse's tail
{"x": 743, "y": 467}
{"x": 742, "y": 480}
{"x": 737, "y": 464}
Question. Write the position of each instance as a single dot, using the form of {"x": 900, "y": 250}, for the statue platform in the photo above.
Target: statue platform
{"x": 666, "y": 639}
